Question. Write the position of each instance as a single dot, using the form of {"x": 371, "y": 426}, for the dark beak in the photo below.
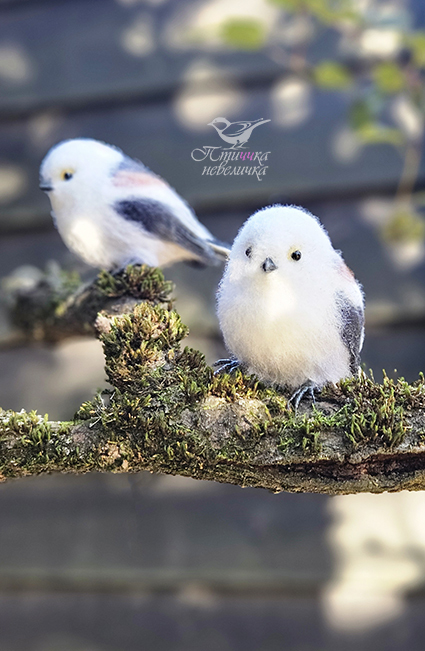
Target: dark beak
{"x": 268, "y": 265}
{"x": 45, "y": 187}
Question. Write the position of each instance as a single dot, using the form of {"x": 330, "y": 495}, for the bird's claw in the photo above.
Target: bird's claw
{"x": 226, "y": 366}
{"x": 298, "y": 395}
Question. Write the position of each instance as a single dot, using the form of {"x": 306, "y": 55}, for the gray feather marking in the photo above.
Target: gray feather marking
{"x": 158, "y": 220}
{"x": 352, "y": 325}
{"x": 131, "y": 165}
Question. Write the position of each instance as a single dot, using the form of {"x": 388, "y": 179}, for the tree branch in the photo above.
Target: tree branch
{"x": 54, "y": 306}
{"x": 168, "y": 413}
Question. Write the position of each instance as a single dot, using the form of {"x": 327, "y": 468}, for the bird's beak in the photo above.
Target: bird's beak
{"x": 210, "y": 124}
{"x": 45, "y": 187}
{"x": 268, "y": 265}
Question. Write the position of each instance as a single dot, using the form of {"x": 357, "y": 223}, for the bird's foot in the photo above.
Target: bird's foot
{"x": 226, "y": 366}
{"x": 298, "y": 395}
{"x": 118, "y": 271}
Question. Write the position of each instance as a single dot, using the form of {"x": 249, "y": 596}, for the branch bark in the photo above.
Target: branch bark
{"x": 168, "y": 413}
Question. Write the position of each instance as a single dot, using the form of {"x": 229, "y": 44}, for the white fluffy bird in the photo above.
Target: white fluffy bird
{"x": 290, "y": 310}
{"x": 111, "y": 210}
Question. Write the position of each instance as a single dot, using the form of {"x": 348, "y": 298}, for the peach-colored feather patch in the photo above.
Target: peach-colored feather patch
{"x": 131, "y": 179}
{"x": 346, "y": 272}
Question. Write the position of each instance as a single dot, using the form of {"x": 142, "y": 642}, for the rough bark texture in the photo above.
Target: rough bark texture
{"x": 169, "y": 413}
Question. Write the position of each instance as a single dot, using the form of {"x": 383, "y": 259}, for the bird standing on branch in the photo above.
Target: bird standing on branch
{"x": 235, "y": 133}
{"x": 111, "y": 210}
{"x": 290, "y": 309}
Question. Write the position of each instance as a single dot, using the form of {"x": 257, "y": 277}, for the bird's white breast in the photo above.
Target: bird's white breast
{"x": 282, "y": 334}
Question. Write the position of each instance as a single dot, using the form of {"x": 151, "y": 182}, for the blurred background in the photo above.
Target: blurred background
{"x": 117, "y": 563}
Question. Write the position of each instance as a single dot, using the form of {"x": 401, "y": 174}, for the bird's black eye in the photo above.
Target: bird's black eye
{"x": 67, "y": 175}
{"x": 248, "y": 252}
{"x": 296, "y": 255}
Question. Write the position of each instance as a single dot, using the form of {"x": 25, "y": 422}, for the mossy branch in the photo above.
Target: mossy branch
{"x": 55, "y": 306}
{"x": 168, "y": 413}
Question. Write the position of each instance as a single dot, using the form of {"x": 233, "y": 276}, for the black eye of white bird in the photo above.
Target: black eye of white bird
{"x": 67, "y": 176}
{"x": 248, "y": 252}
{"x": 296, "y": 255}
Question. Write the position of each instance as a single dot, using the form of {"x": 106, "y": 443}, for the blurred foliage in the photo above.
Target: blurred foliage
{"x": 374, "y": 134}
{"x": 416, "y": 43}
{"x": 332, "y": 75}
{"x": 243, "y": 34}
{"x": 378, "y": 58}
{"x": 404, "y": 226}
{"x": 379, "y": 66}
{"x": 327, "y": 11}
{"x": 388, "y": 77}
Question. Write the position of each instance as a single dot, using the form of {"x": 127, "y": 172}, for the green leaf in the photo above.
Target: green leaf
{"x": 290, "y": 5}
{"x": 360, "y": 114}
{"x": 416, "y": 42}
{"x": 374, "y": 134}
{"x": 332, "y": 75}
{"x": 243, "y": 33}
{"x": 388, "y": 77}
{"x": 404, "y": 226}
{"x": 327, "y": 11}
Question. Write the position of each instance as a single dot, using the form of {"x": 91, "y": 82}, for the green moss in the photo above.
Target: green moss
{"x": 139, "y": 344}
{"x": 235, "y": 385}
{"x": 148, "y": 432}
{"x": 138, "y": 281}
{"x": 302, "y": 432}
{"x": 193, "y": 374}
{"x": 377, "y": 412}
{"x": 372, "y": 413}
{"x": 30, "y": 444}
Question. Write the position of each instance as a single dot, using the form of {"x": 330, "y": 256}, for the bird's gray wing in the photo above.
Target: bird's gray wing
{"x": 159, "y": 221}
{"x": 352, "y": 327}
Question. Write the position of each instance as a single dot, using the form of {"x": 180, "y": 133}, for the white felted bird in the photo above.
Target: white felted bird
{"x": 290, "y": 309}
{"x": 111, "y": 210}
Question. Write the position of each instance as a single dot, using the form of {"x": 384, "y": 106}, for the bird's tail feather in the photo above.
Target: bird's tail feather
{"x": 221, "y": 249}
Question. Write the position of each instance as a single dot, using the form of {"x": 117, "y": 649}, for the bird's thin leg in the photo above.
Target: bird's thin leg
{"x": 118, "y": 271}
{"x": 226, "y": 366}
{"x": 297, "y": 396}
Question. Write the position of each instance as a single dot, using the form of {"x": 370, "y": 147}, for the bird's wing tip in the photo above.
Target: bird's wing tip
{"x": 221, "y": 249}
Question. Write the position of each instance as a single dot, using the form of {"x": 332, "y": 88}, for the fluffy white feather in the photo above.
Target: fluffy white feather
{"x": 298, "y": 318}
{"x": 111, "y": 210}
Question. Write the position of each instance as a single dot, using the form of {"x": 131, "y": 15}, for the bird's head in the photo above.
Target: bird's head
{"x": 75, "y": 170}
{"x": 283, "y": 248}
{"x": 219, "y": 123}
